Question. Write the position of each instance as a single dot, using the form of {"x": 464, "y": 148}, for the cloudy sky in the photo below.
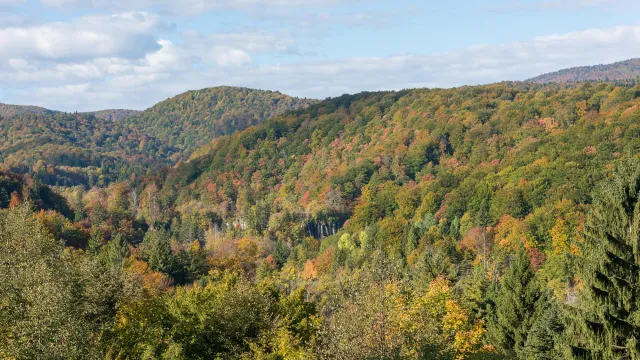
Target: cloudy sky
{"x": 95, "y": 54}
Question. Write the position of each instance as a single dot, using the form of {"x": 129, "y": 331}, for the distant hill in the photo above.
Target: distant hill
{"x": 192, "y": 119}
{"x": 7, "y": 110}
{"x": 620, "y": 71}
{"x": 114, "y": 114}
{"x": 70, "y": 149}
{"x": 96, "y": 148}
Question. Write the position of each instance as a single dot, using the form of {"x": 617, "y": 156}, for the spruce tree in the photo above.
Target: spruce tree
{"x": 4, "y": 198}
{"x": 515, "y": 307}
{"x": 544, "y": 340}
{"x": 157, "y": 250}
{"x": 281, "y": 253}
{"x": 608, "y": 323}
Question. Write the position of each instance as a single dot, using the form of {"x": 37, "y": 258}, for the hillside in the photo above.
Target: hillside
{"x": 416, "y": 172}
{"x": 628, "y": 70}
{"x": 7, "y": 110}
{"x": 514, "y": 157}
{"x": 421, "y": 223}
{"x": 71, "y": 149}
{"x": 194, "y": 118}
{"x": 114, "y": 114}
{"x": 97, "y": 148}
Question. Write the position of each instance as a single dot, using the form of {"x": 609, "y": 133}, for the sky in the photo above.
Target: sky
{"x": 83, "y": 55}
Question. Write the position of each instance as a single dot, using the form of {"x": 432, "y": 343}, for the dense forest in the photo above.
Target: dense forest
{"x": 102, "y": 147}
{"x": 7, "y": 110}
{"x": 627, "y": 71}
{"x": 485, "y": 222}
{"x": 113, "y": 114}
{"x": 194, "y": 118}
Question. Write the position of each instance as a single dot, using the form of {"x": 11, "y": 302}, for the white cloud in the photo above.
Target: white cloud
{"x": 229, "y": 57}
{"x": 564, "y": 5}
{"x": 191, "y": 7}
{"x": 249, "y": 42}
{"x": 124, "y": 35}
{"x": 175, "y": 67}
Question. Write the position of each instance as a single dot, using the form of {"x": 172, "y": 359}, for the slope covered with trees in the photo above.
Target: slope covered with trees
{"x": 101, "y": 147}
{"x": 7, "y": 110}
{"x": 487, "y": 222}
{"x": 628, "y": 71}
{"x": 192, "y": 119}
{"x": 71, "y": 149}
{"x": 113, "y": 114}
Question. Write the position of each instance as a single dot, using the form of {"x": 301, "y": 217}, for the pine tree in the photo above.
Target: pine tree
{"x": 515, "y": 307}
{"x": 608, "y": 325}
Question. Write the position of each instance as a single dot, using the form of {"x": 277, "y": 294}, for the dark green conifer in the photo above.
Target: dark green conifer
{"x": 544, "y": 339}
{"x": 608, "y": 325}
{"x": 157, "y": 250}
{"x": 515, "y": 307}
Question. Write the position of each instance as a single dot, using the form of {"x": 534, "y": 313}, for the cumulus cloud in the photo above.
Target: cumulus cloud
{"x": 124, "y": 35}
{"x": 176, "y": 67}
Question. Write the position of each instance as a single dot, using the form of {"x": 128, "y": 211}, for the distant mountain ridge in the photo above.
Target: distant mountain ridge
{"x": 8, "y": 110}
{"x": 619, "y": 71}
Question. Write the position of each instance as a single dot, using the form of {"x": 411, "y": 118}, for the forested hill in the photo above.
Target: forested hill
{"x": 113, "y": 114}
{"x": 484, "y": 222}
{"x": 97, "y": 148}
{"x": 7, "y": 110}
{"x": 510, "y": 156}
{"x": 194, "y": 118}
{"x": 627, "y": 70}
{"x": 73, "y": 149}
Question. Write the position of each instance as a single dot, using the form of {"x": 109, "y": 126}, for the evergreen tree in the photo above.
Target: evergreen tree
{"x": 515, "y": 307}
{"x": 4, "y": 198}
{"x": 78, "y": 206}
{"x": 543, "y": 341}
{"x": 454, "y": 228}
{"x": 157, "y": 250}
{"x": 281, "y": 252}
{"x": 608, "y": 325}
{"x": 114, "y": 253}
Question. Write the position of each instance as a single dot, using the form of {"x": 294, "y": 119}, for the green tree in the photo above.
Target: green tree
{"x": 544, "y": 340}
{"x": 4, "y": 198}
{"x": 515, "y": 307}
{"x": 281, "y": 252}
{"x": 609, "y": 323}
{"x": 40, "y": 316}
{"x": 157, "y": 250}
{"x": 114, "y": 252}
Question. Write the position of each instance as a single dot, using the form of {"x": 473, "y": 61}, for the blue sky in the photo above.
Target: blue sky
{"x": 94, "y": 54}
